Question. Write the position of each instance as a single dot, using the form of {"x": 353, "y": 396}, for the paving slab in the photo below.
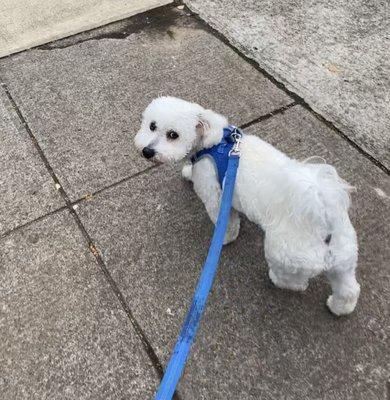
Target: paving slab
{"x": 27, "y": 190}
{"x": 63, "y": 333}
{"x": 255, "y": 341}
{"x": 333, "y": 53}
{"x": 84, "y": 101}
{"x": 24, "y": 24}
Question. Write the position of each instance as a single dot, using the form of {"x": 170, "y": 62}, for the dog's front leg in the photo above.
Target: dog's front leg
{"x": 207, "y": 187}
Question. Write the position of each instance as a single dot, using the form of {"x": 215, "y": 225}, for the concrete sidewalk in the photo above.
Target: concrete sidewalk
{"x": 100, "y": 252}
{"x": 332, "y": 53}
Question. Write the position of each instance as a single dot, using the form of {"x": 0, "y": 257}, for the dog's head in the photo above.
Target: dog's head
{"x": 172, "y": 128}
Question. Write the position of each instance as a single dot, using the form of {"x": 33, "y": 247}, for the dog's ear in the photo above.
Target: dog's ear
{"x": 210, "y": 127}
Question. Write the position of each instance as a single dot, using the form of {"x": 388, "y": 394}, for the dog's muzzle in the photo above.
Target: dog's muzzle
{"x": 148, "y": 152}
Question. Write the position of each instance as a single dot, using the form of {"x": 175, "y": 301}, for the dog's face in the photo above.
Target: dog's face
{"x": 171, "y": 128}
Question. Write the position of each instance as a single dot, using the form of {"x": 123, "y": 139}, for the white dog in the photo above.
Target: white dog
{"x": 302, "y": 207}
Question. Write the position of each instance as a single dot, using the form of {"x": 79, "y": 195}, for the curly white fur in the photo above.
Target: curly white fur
{"x": 302, "y": 207}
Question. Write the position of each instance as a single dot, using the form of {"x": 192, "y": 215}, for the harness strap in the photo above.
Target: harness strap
{"x": 190, "y": 326}
{"x": 219, "y": 153}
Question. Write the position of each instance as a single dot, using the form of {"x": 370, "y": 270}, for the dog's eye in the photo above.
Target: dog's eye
{"x": 172, "y": 135}
{"x": 152, "y": 126}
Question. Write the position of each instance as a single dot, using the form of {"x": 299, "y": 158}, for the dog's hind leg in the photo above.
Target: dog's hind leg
{"x": 282, "y": 263}
{"x": 345, "y": 291}
{"x": 207, "y": 187}
{"x": 284, "y": 280}
{"x": 342, "y": 261}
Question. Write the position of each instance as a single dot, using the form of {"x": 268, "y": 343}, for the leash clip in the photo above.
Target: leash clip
{"x": 236, "y": 136}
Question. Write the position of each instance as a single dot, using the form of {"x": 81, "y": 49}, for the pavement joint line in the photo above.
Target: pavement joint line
{"x": 117, "y": 183}
{"x": 29, "y": 223}
{"x": 271, "y": 114}
{"x": 353, "y": 144}
{"x": 35, "y": 143}
{"x": 73, "y": 203}
{"x": 92, "y": 247}
{"x": 299, "y": 100}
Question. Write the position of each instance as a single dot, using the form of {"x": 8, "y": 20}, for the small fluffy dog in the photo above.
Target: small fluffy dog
{"x": 302, "y": 207}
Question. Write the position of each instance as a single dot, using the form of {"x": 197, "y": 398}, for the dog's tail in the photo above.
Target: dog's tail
{"x": 314, "y": 195}
{"x": 331, "y": 195}
{"x": 322, "y": 197}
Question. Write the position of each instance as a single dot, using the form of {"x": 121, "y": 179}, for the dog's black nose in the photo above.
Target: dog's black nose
{"x": 147, "y": 152}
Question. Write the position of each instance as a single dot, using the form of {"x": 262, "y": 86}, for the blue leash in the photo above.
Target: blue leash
{"x": 190, "y": 326}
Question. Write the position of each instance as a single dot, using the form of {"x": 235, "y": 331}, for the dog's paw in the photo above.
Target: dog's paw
{"x": 229, "y": 238}
{"x": 232, "y": 233}
{"x": 186, "y": 172}
{"x": 341, "y": 306}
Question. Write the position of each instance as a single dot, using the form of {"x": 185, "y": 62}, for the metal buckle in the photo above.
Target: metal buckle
{"x": 236, "y": 136}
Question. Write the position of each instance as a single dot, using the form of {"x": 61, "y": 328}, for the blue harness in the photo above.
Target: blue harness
{"x": 220, "y": 152}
